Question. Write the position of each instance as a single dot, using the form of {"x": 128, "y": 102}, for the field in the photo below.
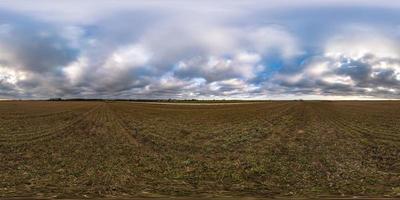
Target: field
{"x": 267, "y": 149}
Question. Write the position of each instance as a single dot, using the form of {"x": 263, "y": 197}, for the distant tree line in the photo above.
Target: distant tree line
{"x": 152, "y": 100}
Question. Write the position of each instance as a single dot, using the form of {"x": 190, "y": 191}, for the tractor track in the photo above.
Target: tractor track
{"x": 47, "y": 134}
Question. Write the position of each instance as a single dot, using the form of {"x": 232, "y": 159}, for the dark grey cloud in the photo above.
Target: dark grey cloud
{"x": 366, "y": 76}
{"x": 34, "y": 46}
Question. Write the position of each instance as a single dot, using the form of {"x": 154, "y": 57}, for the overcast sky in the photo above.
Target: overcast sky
{"x": 200, "y": 49}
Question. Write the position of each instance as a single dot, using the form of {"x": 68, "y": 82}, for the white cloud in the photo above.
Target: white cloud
{"x": 363, "y": 64}
{"x": 75, "y": 72}
{"x": 270, "y": 38}
{"x": 243, "y": 65}
{"x": 90, "y": 11}
{"x": 357, "y": 43}
{"x": 11, "y": 76}
{"x": 128, "y": 57}
{"x": 73, "y": 34}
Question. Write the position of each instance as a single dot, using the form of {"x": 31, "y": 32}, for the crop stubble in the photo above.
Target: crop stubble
{"x": 123, "y": 149}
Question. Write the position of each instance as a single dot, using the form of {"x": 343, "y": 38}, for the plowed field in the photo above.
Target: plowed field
{"x": 267, "y": 149}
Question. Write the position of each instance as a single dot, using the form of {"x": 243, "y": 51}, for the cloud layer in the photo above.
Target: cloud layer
{"x": 199, "y": 50}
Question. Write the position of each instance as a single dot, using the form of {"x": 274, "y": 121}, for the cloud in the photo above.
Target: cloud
{"x": 31, "y": 57}
{"x": 192, "y": 56}
{"x": 364, "y": 64}
{"x": 199, "y": 49}
{"x": 243, "y": 65}
{"x": 34, "y": 48}
{"x": 88, "y": 12}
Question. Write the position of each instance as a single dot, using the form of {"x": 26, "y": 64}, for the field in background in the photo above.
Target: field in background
{"x": 126, "y": 149}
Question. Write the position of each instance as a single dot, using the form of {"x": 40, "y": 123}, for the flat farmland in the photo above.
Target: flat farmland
{"x": 72, "y": 149}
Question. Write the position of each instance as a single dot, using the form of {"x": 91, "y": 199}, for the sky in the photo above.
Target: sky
{"x": 299, "y": 49}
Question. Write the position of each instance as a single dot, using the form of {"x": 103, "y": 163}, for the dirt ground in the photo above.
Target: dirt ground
{"x": 125, "y": 150}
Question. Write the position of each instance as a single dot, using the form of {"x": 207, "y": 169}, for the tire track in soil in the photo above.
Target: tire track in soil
{"x": 164, "y": 144}
{"x": 120, "y": 128}
{"x": 56, "y": 132}
{"x": 344, "y": 131}
{"x": 46, "y": 132}
{"x": 272, "y": 126}
{"x": 348, "y": 127}
{"x": 146, "y": 142}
